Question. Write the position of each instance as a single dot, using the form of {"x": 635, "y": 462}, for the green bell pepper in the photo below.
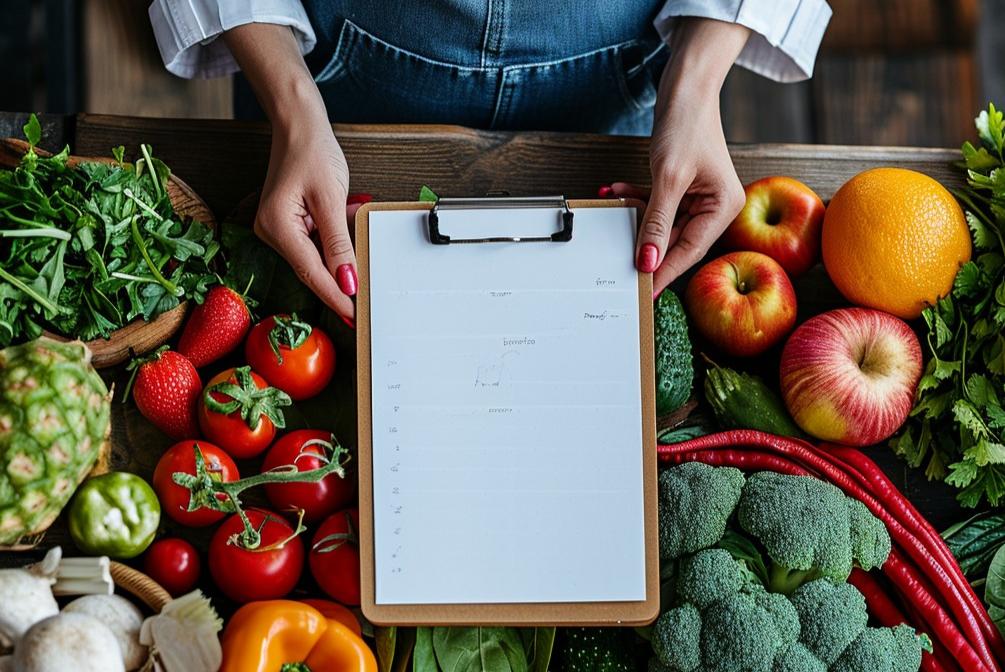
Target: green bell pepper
{"x": 115, "y": 514}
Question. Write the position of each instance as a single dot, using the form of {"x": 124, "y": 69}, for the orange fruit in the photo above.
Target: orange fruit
{"x": 893, "y": 239}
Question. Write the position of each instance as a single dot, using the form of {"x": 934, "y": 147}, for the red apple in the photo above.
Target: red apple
{"x": 849, "y": 375}
{"x": 743, "y": 303}
{"x": 782, "y": 219}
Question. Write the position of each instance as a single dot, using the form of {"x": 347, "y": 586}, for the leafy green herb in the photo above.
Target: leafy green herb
{"x": 85, "y": 250}
{"x": 957, "y": 426}
{"x": 975, "y": 541}
{"x": 994, "y": 590}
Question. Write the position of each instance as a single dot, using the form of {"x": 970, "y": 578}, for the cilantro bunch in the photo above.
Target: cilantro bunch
{"x": 958, "y": 420}
{"x": 85, "y": 250}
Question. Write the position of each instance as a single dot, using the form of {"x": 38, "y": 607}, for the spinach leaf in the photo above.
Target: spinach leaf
{"x": 994, "y": 590}
{"x": 974, "y": 542}
{"x": 480, "y": 649}
{"x": 423, "y": 657}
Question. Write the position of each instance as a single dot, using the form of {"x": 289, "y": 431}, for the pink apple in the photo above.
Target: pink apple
{"x": 742, "y": 302}
{"x": 782, "y": 219}
{"x": 849, "y": 375}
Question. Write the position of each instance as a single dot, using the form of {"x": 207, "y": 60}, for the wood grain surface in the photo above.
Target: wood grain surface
{"x": 224, "y": 162}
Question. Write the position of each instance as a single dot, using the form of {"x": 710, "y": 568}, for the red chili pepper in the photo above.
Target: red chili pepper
{"x": 810, "y": 456}
{"x": 940, "y": 623}
{"x": 909, "y": 517}
{"x": 747, "y": 460}
{"x": 888, "y": 614}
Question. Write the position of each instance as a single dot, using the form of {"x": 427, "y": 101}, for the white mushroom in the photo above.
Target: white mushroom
{"x": 122, "y": 617}
{"x": 68, "y": 642}
{"x": 26, "y": 597}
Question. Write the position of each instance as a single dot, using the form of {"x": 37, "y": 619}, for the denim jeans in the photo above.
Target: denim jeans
{"x": 570, "y": 65}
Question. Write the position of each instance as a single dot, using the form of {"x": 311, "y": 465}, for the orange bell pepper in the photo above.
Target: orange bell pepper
{"x": 288, "y": 636}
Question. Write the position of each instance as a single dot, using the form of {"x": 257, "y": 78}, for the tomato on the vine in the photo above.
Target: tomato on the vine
{"x": 174, "y": 564}
{"x": 240, "y": 412}
{"x": 174, "y": 498}
{"x": 334, "y": 557}
{"x": 316, "y": 500}
{"x": 291, "y": 354}
{"x": 267, "y": 572}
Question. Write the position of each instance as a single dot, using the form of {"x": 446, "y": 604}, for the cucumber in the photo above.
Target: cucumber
{"x": 674, "y": 371}
{"x": 742, "y": 401}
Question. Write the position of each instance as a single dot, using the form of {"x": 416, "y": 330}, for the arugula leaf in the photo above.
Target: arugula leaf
{"x": 33, "y": 131}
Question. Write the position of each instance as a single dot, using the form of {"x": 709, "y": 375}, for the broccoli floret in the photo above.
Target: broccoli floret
{"x": 884, "y": 650}
{"x": 870, "y": 540}
{"x": 806, "y": 527}
{"x": 708, "y": 576}
{"x": 695, "y": 501}
{"x": 797, "y": 658}
{"x": 738, "y": 634}
{"x": 832, "y": 615}
{"x": 783, "y": 613}
{"x": 597, "y": 650}
{"x": 676, "y": 638}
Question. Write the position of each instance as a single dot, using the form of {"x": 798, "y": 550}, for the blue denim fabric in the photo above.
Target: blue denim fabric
{"x": 571, "y": 65}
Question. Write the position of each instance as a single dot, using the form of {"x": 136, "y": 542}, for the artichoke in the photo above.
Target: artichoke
{"x": 55, "y": 417}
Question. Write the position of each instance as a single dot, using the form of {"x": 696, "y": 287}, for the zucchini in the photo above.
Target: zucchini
{"x": 743, "y": 401}
{"x": 674, "y": 371}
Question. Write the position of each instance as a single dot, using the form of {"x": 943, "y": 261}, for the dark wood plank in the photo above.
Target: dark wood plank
{"x": 755, "y": 109}
{"x": 901, "y": 25}
{"x": 225, "y": 161}
{"x": 57, "y": 129}
{"x": 926, "y": 99}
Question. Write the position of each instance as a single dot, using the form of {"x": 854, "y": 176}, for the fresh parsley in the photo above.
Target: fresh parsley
{"x": 957, "y": 425}
{"x": 85, "y": 250}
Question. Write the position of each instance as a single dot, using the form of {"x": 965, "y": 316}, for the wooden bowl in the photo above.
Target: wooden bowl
{"x": 137, "y": 337}
{"x": 140, "y": 586}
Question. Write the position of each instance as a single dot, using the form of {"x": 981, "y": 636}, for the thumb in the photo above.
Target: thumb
{"x": 654, "y": 236}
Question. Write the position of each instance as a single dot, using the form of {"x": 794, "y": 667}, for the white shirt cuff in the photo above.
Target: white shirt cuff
{"x": 186, "y": 31}
{"x": 786, "y": 33}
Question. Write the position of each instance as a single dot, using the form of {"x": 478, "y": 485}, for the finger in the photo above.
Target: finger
{"x": 694, "y": 240}
{"x": 329, "y": 213}
{"x": 657, "y": 223}
{"x": 629, "y": 190}
{"x": 294, "y": 245}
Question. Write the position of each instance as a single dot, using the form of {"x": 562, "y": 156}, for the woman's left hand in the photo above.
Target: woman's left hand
{"x": 696, "y": 192}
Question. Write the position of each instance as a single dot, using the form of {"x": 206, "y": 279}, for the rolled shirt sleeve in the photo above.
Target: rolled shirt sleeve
{"x": 785, "y": 35}
{"x": 187, "y": 31}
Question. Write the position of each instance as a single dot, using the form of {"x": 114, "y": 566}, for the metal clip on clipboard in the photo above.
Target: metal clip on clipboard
{"x": 562, "y": 236}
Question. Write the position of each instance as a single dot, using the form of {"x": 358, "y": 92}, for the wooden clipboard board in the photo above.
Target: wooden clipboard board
{"x": 503, "y": 614}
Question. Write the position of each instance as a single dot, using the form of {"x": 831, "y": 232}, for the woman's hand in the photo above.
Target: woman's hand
{"x": 696, "y": 192}
{"x": 304, "y": 195}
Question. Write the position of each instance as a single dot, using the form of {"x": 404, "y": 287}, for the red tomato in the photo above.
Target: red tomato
{"x": 230, "y": 431}
{"x": 173, "y": 563}
{"x": 334, "y": 557}
{"x": 174, "y": 498}
{"x": 244, "y": 575}
{"x": 301, "y": 371}
{"x": 318, "y": 500}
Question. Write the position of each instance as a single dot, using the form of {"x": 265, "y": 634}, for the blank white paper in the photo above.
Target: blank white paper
{"x": 506, "y": 407}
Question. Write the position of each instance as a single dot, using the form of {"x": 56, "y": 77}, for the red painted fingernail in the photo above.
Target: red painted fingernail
{"x": 605, "y": 191}
{"x": 345, "y": 276}
{"x": 647, "y": 258}
{"x": 349, "y": 323}
{"x": 360, "y": 198}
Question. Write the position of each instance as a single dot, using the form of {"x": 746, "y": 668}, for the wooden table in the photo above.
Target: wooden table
{"x": 225, "y": 162}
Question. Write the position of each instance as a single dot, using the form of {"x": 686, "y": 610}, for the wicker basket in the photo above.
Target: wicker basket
{"x": 140, "y": 586}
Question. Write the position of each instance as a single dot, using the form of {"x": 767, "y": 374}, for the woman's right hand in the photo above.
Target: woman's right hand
{"x": 304, "y": 200}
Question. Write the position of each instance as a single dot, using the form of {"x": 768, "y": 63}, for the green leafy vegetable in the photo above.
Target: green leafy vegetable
{"x": 957, "y": 426}
{"x": 975, "y": 541}
{"x": 994, "y": 590}
{"x": 85, "y": 250}
{"x": 466, "y": 649}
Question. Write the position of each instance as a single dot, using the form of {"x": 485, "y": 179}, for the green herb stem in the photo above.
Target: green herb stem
{"x": 35, "y": 296}
{"x": 138, "y": 239}
{"x": 48, "y": 232}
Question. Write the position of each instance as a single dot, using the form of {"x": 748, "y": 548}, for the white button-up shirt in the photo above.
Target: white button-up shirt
{"x": 783, "y": 45}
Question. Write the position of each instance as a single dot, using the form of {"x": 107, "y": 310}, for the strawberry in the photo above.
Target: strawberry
{"x": 166, "y": 390}
{"x": 216, "y": 327}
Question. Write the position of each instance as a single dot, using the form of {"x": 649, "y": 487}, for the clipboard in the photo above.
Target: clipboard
{"x": 639, "y": 611}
